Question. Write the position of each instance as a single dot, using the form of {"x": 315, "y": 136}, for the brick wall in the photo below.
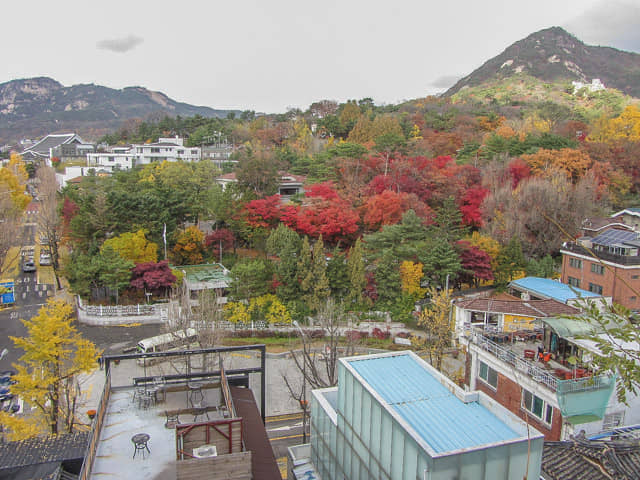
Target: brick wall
{"x": 509, "y": 395}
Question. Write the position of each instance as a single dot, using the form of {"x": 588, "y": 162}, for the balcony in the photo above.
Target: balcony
{"x": 601, "y": 255}
{"x": 512, "y": 352}
{"x": 582, "y": 399}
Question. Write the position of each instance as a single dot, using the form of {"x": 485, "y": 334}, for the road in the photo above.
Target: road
{"x": 285, "y": 431}
{"x": 30, "y": 296}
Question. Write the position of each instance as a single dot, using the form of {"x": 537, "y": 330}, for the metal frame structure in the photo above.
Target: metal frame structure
{"x": 240, "y": 372}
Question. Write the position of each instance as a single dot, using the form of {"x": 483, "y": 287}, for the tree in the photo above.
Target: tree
{"x": 114, "y": 271}
{"x": 47, "y": 373}
{"x": 410, "y": 276}
{"x": 510, "y": 262}
{"x": 156, "y": 278}
{"x": 251, "y": 278}
{"x": 385, "y": 208}
{"x": 188, "y": 249}
{"x": 134, "y": 246}
{"x": 616, "y": 339}
{"x": 48, "y": 218}
{"x": 338, "y": 274}
{"x": 387, "y": 276}
{"x": 313, "y": 275}
{"x": 218, "y": 241}
{"x": 356, "y": 273}
{"x": 13, "y": 201}
{"x": 258, "y": 173}
{"x": 441, "y": 261}
{"x": 476, "y": 264}
{"x": 544, "y": 267}
{"x": 435, "y": 321}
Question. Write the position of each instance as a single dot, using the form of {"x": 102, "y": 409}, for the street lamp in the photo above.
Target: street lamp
{"x": 303, "y": 402}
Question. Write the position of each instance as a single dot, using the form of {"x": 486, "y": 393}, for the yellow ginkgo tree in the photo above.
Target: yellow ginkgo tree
{"x": 55, "y": 354}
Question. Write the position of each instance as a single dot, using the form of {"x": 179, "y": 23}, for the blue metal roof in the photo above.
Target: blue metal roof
{"x": 552, "y": 289}
{"x": 443, "y": 421}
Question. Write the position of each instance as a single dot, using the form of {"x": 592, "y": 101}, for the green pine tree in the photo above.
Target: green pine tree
{"x": 355, "y": 272}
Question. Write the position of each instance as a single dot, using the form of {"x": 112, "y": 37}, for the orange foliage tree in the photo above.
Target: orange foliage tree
{"x": 189, "y": 248}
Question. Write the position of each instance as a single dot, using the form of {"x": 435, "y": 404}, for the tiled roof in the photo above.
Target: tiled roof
{"x": 599, "y": 223}
{"x": 51, "y": 141}
{"x": 584, "y": 459}
{"x": 529, "y": 308}
{"x": 57, "y": 448}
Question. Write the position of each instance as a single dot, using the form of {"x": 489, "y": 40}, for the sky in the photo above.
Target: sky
{"x": 270, "y": 56}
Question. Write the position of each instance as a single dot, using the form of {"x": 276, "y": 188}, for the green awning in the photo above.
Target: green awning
{"x": 569, "y": 327}
{"x": 580, "y": 419}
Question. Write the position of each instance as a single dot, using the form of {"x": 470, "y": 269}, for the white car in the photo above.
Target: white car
{"x": 45, "y": 258}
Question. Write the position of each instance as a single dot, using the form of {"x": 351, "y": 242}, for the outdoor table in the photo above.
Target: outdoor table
{"x": 140, "y": 442}
{"x": 195, "y": 389}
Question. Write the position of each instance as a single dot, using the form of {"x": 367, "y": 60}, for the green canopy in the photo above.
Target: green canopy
{"x": 570, "y": 328}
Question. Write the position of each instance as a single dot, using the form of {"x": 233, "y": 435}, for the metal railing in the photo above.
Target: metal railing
{"x": 596, "y": 382}
{"x": 87, "y": 464}
{"x": 520, "y": 364}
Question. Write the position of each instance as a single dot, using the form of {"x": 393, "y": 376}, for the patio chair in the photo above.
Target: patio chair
{"x": 173, "y": 419}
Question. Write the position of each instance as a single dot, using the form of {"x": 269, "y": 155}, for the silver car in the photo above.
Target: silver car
{"x": 45, "y": 258}
{"x": 29, "y": 266}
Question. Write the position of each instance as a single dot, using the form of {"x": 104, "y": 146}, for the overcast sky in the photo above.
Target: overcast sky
{"x": 272, "y": 55}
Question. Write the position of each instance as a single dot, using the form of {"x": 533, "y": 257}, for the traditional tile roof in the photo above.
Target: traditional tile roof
{"x": 528, "y": 308}
{"x": 580, "y": 458}
{"x": 37, "y": 450}
{"x": 599, "y": 223}
{"x": 43, "y": 147}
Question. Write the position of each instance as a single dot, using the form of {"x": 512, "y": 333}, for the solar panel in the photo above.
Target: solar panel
{"x": 613, "y": 236}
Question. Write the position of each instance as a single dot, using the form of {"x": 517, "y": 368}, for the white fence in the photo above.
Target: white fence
{"x": 121, "y": 314}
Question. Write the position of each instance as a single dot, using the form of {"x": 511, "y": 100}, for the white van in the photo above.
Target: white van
{"x": 167, "y": 341}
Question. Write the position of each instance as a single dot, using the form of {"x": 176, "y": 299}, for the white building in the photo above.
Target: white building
{"x": 165, "y": 149}
{"x": 116, "y": 157}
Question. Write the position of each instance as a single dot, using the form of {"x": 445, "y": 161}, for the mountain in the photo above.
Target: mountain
{"x": 33, "y": 107}
{"x": 554, "y": 55}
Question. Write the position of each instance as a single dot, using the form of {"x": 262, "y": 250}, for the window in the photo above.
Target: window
{"x": 574, "y": 282}
{"x": 194, "y": 152}
{"x": 537, "y": 407}
{"x": 612, "y": 420}
{"x": 595, "y": 288}
{"x": 155, "y": 150}
{"x": 489, "y": 375}
{"x": 597, "y": 268}
{"x": 635, "y": 277}
{"x": 575, "y": 262}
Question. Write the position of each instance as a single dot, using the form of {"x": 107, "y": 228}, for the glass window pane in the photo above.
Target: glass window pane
{"x": 537, "y": 407}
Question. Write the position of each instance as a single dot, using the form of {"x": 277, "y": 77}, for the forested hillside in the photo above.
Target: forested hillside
{"x": 477, "y": 188}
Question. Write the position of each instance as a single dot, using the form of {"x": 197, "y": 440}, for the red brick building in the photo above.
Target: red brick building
{"x": 607, "y": 264}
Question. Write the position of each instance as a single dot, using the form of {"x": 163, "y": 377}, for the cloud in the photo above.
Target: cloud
{"x": 611, "y": 23}
{"x": 445, "y": 81}
{"x": 120, "y": 45}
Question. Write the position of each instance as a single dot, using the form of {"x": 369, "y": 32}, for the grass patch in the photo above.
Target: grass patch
{"x": 46, "y": 275}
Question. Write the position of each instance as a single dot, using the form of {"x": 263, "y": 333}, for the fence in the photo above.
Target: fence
{"x": 87, "y": 464}
{"x": 115, "y": 314}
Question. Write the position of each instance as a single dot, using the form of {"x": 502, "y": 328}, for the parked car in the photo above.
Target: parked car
{"x": 6, "y": 378}
{"x": 29, "y": 266}
{"x": 5, "y": 393}
{"x": 45, "y": 258}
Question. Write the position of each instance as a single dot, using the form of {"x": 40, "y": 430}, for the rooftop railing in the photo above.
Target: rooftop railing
{"x": 520, "y": 365}
{"x": 527, "y": 367}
